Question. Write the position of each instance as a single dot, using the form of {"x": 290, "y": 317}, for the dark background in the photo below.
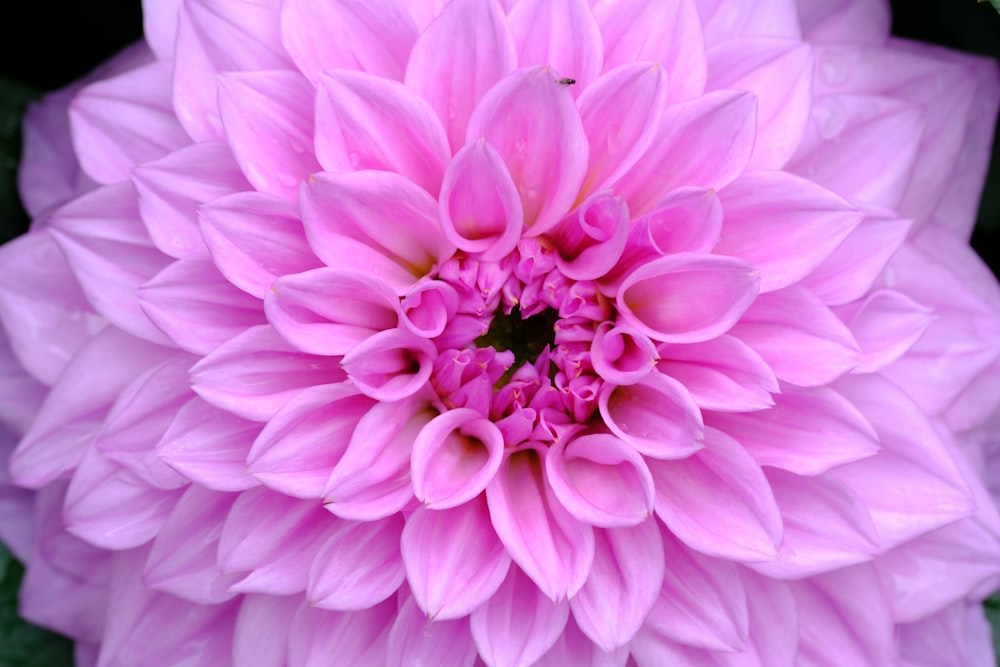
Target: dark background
{"x": 45, "y": 45}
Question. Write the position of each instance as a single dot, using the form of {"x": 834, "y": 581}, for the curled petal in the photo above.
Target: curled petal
{"x": 589, "y": 243}
{"x": 622, "y": 355}
{"x": 328, "y": 311}
{"x": 718, "y": 501}
{"x": 623, "y": 585}
{"x": 533, "y": 124}
{"x": 454, "y": 561}
{"x": 600, "y": 480}
{"x": 454, "y": 457}
{"x": 480, "y": 207}
{"x": 428, "y": 308}
{"x": 553, "y": 548}
{"x": 687, "y": 297}
{"x": 656, "y": 416}
{"x": 391, "y": 364}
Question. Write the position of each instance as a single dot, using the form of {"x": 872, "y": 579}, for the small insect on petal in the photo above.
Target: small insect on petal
{"x": 565, "y": 82}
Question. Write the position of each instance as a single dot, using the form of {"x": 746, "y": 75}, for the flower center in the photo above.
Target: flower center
{"x": 526, "y": 337}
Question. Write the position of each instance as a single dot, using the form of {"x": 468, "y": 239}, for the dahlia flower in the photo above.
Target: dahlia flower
{"x": 534, "y": 332}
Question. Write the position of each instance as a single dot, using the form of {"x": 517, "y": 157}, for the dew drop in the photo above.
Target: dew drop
{"x": 354, "y": 159}
{"x": 286, "y": 179}
{"x": 834, "y": 69}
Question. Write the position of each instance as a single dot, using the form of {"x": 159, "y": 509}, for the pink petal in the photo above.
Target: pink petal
{"x": 159, "y": 26}
{"x": 704, "y": 142}
{"x": 800, "y": 339}
{"x": 256, "y": 373}
{"x": 390, "y": 365}
{"x": 561, "y": 34}
{"x": 372, "y": 479}
{"x": 107, "y": 248}
{"x": 533, "y": 124}
{"x": 23, "y": 399}
{"x": 109, "y": 507}
{"x": 718, "y": 502}
{"x": 622, "y": 355}
{"x": 416, "y": 640}
{"x": 74, "y": 410}
{"x": 575, "y": 648}
{"x": 254, "y": 239}
{"x": 373, "y": 37}
{"x": 779, "y": 73}
{"x": 453, "y": 86}
{"x": 720, "y": 374}
{"x": 306, "y": 438}
{"x": 173, "y": 188}
{"x": 124, "y": 121}
{"x": 383, "y": 212}
{"x": 454, "y": 561}
{"x": 182, "y": 559}
{"x": 328, "y": 311}
{"x": 589, "y": 243}
{"x": 454, "y": 457}
{"x": 849, "y": 272}
{"x": 665, "y": 32}
{"x": 46, "y": 317}
{"x": 846, "y": 20}
{"x": 357, "y": 637}
{"x": 551, "y": 546}
{"x": 268, "y": 120}
{"x": 197, "y": 307}
{"x": 656, "y": 416}
{"x": 209, "y": 446}
{"x": 518, "y": 624}
{"x": 808, "y": 431}
{"x": 803, "y": 224}
{"x": 429, "y": 308}
{"x": 839, "y": 149}
{"x": 358, "y": 565}
{"x": 212, "y": 39}
{"x": 886, "y": 325}
{"x": 480, "y": 207}
{"x": 724, "y": 21}
{"x": 262, "y": 630}
{"x": 687, "y": 297}
{"x": 702, "y": 601}
{"x": 826, "y": 527}
{"x": 600, "y": 480}
{"x": 367, "y": 122}
{"x": 688, "y": 219}
{"x": 623, "y": 584}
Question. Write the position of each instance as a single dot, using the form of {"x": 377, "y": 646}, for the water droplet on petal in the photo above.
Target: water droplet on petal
{"x": 834, "y": 69}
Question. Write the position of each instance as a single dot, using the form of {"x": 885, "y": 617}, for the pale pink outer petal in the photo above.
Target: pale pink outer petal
{"x": 173, "y": 188}
{"x": 561, "y": 34}
{"x": 454, "y": 457}
{"x": 802, "y": 223}
{"x": 453, "y": 86}
{"x": 390, "y": 365}
{"x": 575, "y": 648}
{"x": 518, "y": 624}
{"x": 718, "y": 501}
{"x": 688, "y": 219}
{"x": 182, "y": 559}
{"x": 109, "y": 251}
{"x": 159, "y": 26}
{"x": 701, "y": 602}
{"x": 600, "y": 480}
{"x": 454, "y": 561}
{"x": 799, "y": 337}
{"x": 886, "y": 325}
{"x": 196, "y": 307}
{"x": 416, "y": 640}
{"x": 480, "y": 208}
{"x": 45, "y": 315}
{"x": 553, "y": 548}
{"x": 844, "y": 21}
{"x": 687, "y": 297}
{"x": 262, "y": 630}
{"x": 257, "y": 372}
{"x": 268, "y": 120}
{"x": 667, "y": 32}
{"x": 209, "y": 446}
{"x": 357, "y": 637}
{"x": 214, "y": 38}
{"x": 623, "y": 585}
{"x": 23, "y": 399}
{"x": 305, "y": 439}
{"x": 960, "y": 636}
{"x": 374, "y": 37}
{"x": 533, "y": 124}
{"x": 254, "y": 239}
{"x": 124, "y": 121}
{"x": 808, "y": 431}
{"x": 779, "y": 73}
{"x": 367, "y": 122}
{"x": 358, "y": 565}
{"x": 704, "y": 142}
{"x": 769, "y": 18}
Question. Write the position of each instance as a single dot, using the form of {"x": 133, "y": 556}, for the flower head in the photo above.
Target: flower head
{"x": 523, "y": 332}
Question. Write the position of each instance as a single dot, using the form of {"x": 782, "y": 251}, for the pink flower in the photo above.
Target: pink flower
{"x": 507, "y": 333}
